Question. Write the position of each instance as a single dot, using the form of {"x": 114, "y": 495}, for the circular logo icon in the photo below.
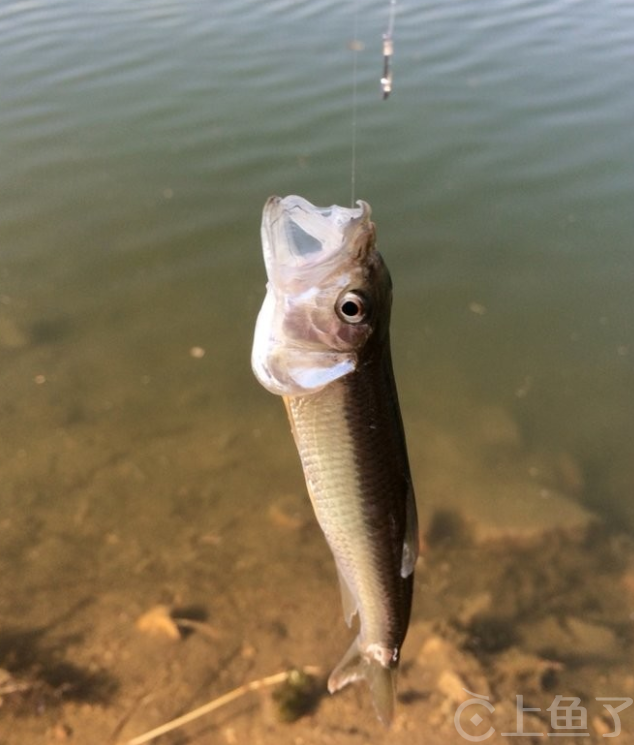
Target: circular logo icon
{"x": 473, "y": 716}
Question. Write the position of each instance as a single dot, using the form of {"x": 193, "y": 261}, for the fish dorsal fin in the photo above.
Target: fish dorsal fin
{"x": 410, "y": 541}
{"x": 348, "y": 600}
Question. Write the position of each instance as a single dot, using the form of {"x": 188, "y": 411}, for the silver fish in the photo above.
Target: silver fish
{"x": 322, "y": 342}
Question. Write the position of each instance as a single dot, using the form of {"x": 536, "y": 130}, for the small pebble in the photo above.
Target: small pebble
{"x": 477, "y": 308}
{"x": 453, "y": 686}
{"x": 158, "y": 622}
{"x": 61, "y": 733}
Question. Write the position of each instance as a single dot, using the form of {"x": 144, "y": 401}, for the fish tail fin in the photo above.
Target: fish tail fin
{"x": 380, "y": 679}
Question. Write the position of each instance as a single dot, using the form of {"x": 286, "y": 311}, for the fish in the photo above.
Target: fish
{"x": 322, "y": 343}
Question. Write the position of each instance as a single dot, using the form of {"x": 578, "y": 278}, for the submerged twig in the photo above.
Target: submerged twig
{"x": 226, "y": 698}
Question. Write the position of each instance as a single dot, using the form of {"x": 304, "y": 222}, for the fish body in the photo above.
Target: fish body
{"x": 322, "y": 343}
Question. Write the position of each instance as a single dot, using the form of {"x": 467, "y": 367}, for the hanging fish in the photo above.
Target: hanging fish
{"x": 322, "y": 342}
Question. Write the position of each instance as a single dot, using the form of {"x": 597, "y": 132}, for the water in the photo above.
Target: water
{"x": 138, "y": 143}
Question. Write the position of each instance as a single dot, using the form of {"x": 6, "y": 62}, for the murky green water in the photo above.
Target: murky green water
{"x": 138, "y": 143}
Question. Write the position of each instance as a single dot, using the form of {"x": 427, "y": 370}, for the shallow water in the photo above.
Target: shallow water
{"x": 138, "y": 143}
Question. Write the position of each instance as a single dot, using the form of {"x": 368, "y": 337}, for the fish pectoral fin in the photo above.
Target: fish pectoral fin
{"x": 348, "y": 600}
{"x": 410, "y": 542}
{"x": 380, "y": 679}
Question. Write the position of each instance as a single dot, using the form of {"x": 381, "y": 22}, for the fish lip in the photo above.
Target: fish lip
{"x": 298, "y": 236}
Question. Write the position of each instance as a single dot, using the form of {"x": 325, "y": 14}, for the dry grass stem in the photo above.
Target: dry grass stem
{"x": 254, "y": 685}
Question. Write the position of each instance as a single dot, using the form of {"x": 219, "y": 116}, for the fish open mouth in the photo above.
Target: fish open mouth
{"x": 310, "y": 254}
{"x": 298, "y": 235}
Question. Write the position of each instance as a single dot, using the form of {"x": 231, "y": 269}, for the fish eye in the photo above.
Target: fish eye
{"x": 352, "y": 307}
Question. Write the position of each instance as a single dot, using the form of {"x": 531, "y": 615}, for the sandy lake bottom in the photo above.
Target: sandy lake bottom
{"x": 107, "y": 515}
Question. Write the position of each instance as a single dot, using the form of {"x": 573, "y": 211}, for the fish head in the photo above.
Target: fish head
{"x": 328, "y": 295}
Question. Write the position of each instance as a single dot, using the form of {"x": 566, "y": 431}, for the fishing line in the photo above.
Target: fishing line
{"x": 386, "y": 78}
{"x": 354, "y": 45}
